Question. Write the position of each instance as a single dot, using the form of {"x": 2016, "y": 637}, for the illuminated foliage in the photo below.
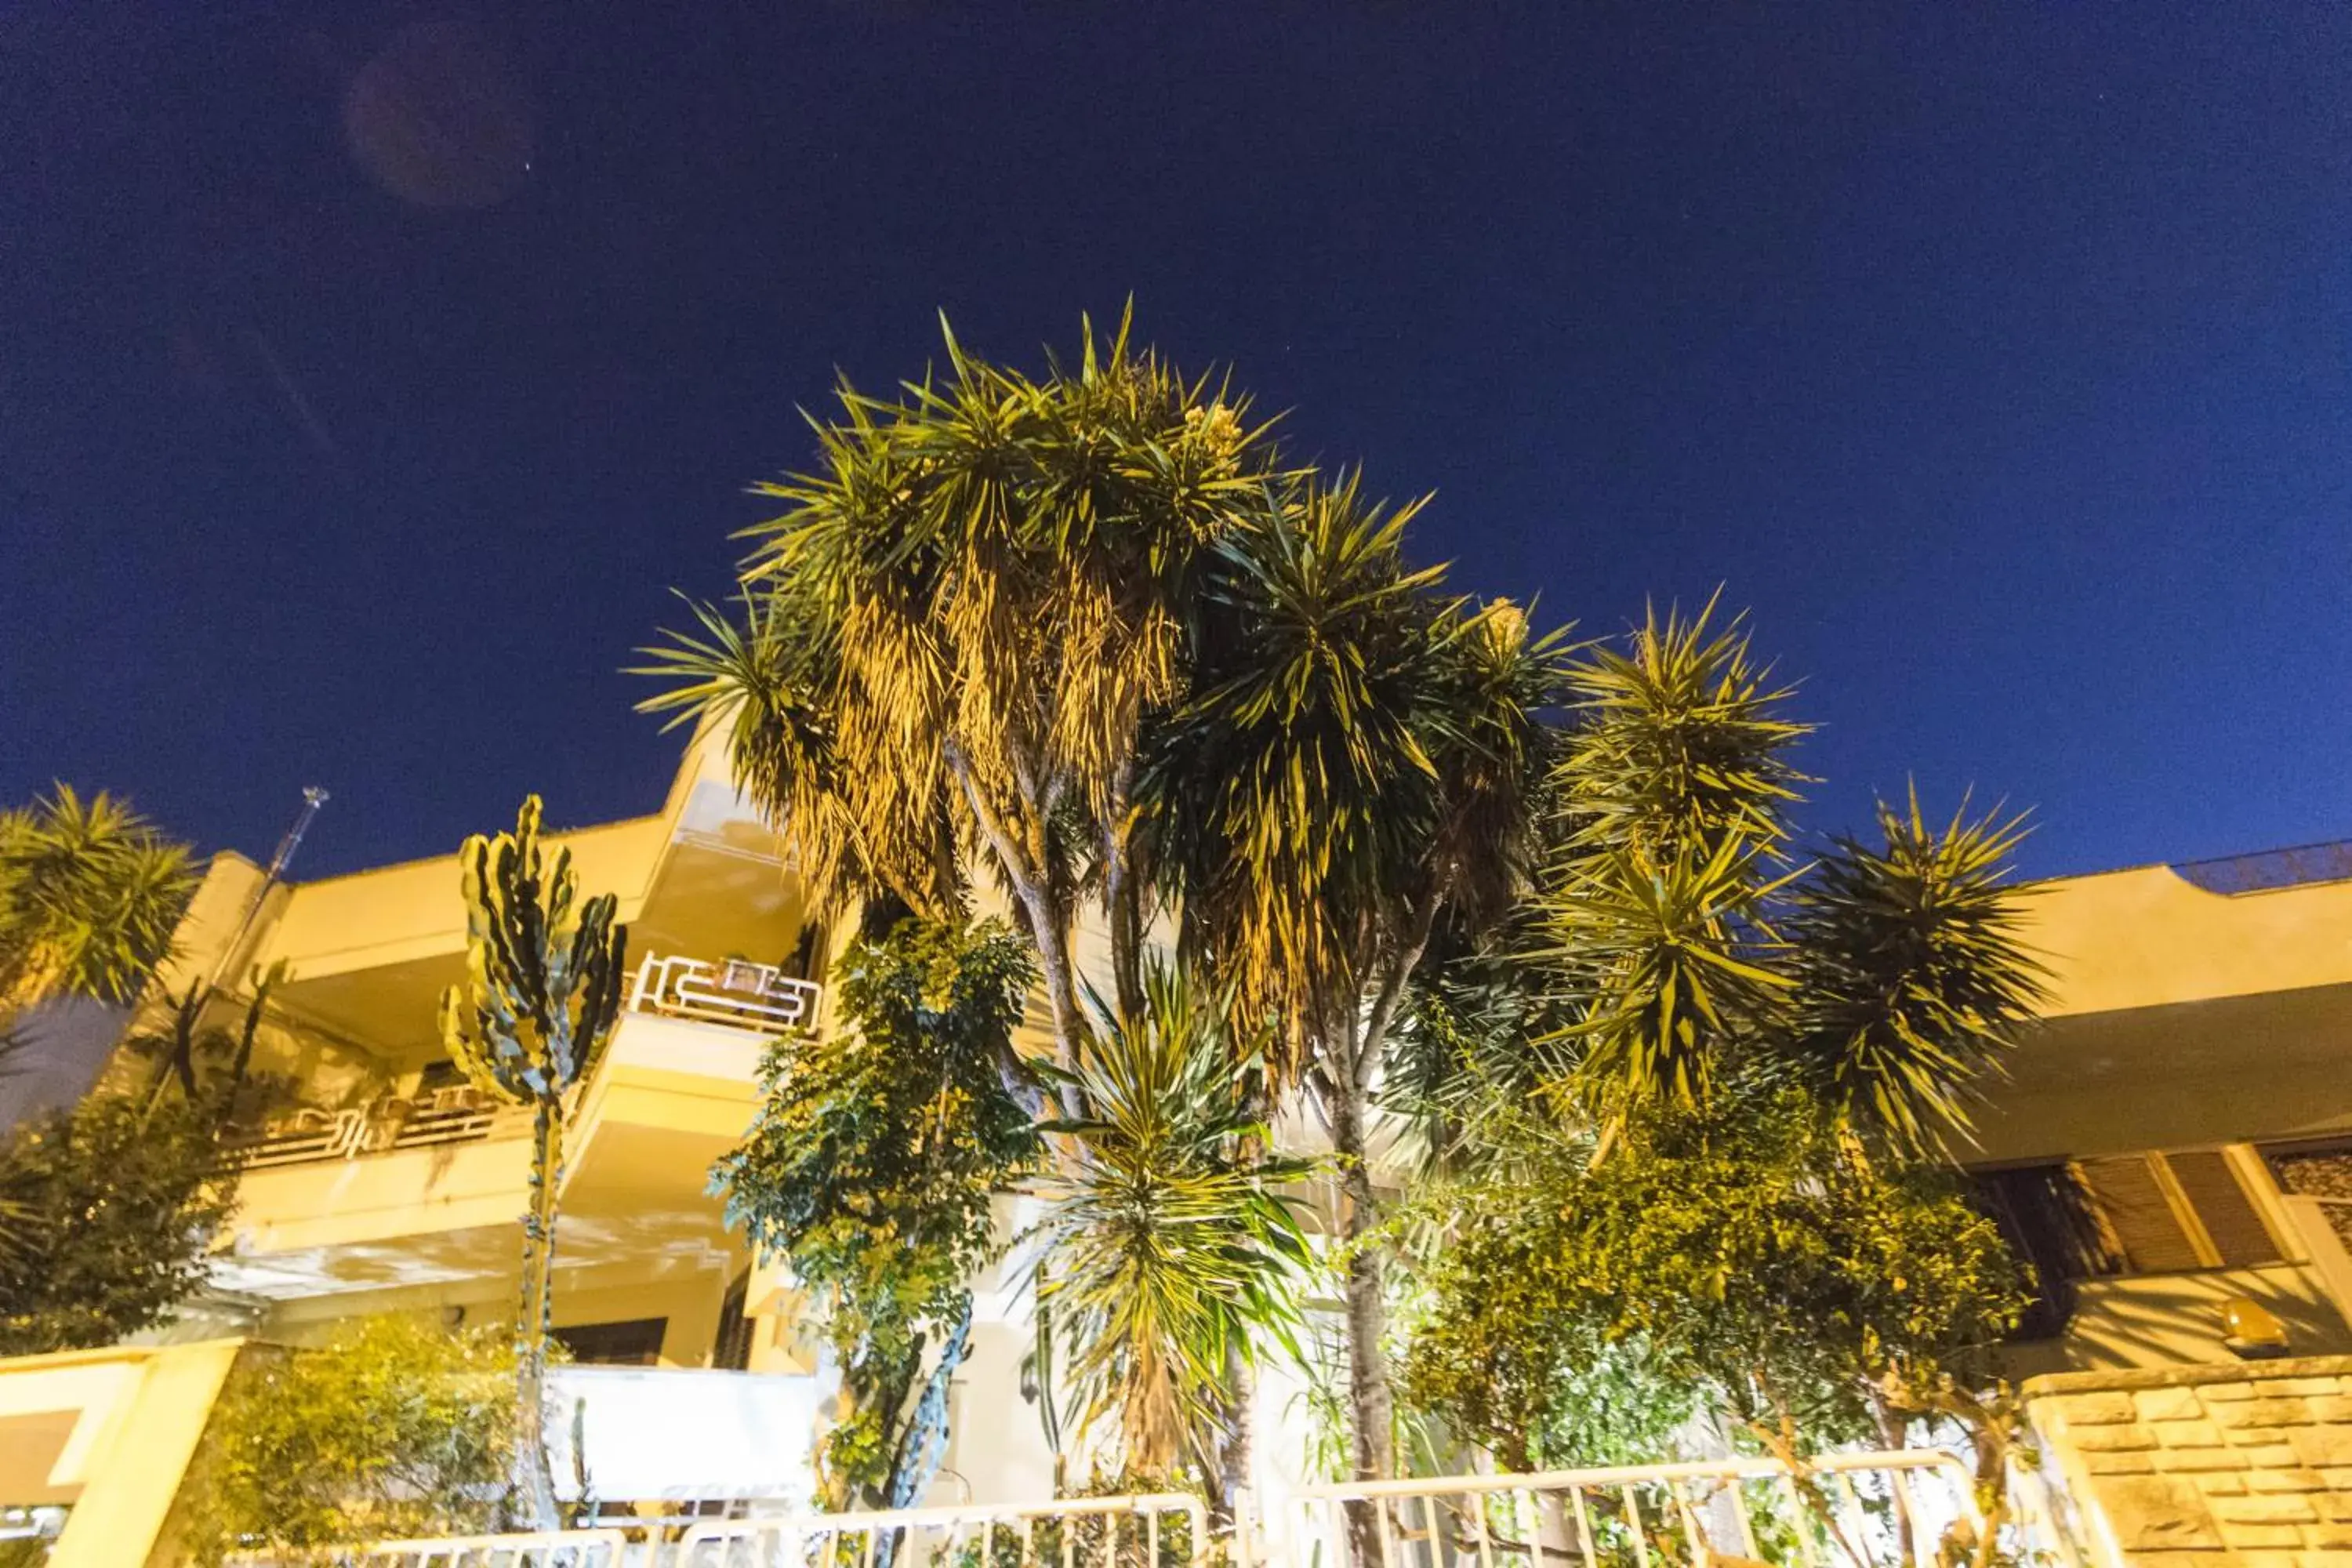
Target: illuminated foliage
{"x": 90, "y": 893}
{"x": 871, "y": 1168}
{"x": 391, "y": 1430}
{"x": 1754, "y": 1261}
{"x": 951, "y": 637}
{"x": 1166, "y": 1252}
{"x": 112, "y": 1207}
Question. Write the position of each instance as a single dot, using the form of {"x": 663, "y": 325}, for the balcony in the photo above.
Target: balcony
{"x": 743, "y": 995}
{"x": 459, "y": 1115}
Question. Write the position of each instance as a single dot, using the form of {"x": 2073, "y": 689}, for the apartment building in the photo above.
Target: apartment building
{"x": 2173, "y": 1145}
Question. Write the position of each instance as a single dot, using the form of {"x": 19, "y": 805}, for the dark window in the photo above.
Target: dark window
{"x": 636, "y": 1342}
{"x": 2125, "y": 1214}
{"x": 443, "y": 1074}
{"x": 731, "y": 1349}
{"x": 2047, "y": 1216}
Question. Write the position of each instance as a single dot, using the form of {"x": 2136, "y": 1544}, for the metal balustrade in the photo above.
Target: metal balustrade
{"x": 461, "y": 1115}
{"x": 534, "y": 1549}
{"x": 1891, "y": 1509}
{"x": 1160, "y": 1530}
{"x": 746, "y": 995}
{"x": 1885, "y": 1510}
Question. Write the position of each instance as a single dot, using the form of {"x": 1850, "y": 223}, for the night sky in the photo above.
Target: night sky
{"x": 369, "y": 375}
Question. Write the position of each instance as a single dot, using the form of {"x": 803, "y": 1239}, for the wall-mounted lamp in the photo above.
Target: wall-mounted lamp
{"x": 2251, "y": 1329}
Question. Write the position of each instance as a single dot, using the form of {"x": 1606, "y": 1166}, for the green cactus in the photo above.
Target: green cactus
{"x": 542, "y": 995}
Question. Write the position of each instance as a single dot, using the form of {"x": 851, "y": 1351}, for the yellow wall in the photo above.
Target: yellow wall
{"x": 140, "y": 1413}
{"x": 2146, "y": 937}
{"x": 398, "y": 913}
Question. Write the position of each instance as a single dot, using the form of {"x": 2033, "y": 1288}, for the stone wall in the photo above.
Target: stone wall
{"x": 2244, "y": 1464}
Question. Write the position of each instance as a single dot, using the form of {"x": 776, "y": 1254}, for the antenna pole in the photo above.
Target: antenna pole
{"x": 313, "y": 797}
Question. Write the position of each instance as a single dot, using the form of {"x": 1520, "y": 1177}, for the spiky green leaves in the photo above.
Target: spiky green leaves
{"x": 1167, "y": 1246}
{"x": 1680, "y": 743}
{"x": 1673, "y": 964}
{"x": 1357, "y": 749}
{"x": 90, "y": 893}
{"x": 954, "y": 629}
{"x": 1910, "y": 977}
{"x": 543, "y": 986}
{"x": 1885, "y": 977}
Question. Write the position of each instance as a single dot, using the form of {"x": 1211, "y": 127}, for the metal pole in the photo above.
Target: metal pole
{"x": 313, "y": 797}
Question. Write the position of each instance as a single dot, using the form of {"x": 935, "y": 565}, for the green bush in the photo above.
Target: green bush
{"x": 107, "y": 1212}
{"x": 394, "y": 1429}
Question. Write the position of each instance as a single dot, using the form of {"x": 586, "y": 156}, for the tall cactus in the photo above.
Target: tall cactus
{"x": 543, "y": 993}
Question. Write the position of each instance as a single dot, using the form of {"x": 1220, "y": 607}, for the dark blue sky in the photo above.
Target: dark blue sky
{"x": 1996, "y": 356}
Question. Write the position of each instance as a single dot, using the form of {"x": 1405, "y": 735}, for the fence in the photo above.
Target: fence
{"x": 1886, "y": 1510}
{"x": 538, "y": 1549}
{"x": 1894, "y": 1509}
{"x": 1162, "y": 1530}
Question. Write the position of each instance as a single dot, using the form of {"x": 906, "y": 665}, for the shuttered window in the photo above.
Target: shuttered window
{"x": 2232, "y": 1222}
{"x": 2130, "y": 1191}
{"x": 2135, "y": 1214}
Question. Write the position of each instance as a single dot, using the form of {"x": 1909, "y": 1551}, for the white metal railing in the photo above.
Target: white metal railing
{"x": 535, "y": 1548}
{"x": 457, "y": 1115}
{"x": 747, "y": 995}
{"x": 1885, "y": 1510}
{"x": 1891, "y": 1509}
{"x": 1160, "y": 1530}
{"x": 1167, "y": 1531}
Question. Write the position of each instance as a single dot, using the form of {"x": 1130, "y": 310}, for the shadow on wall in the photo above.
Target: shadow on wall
{"x": 2165, "y": 1320}
{"x": 63, "y": 1045}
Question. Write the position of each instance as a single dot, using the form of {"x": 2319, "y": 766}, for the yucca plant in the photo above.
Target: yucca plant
{"x": 1692, "y": 952}
{"x": 542, "y": 995}
{"x": 1909, "y": 979}
{"x": 951, "y": 636}
{"x": 90, "y": 893}
{"x": 1360, "y": 755}
{"x": 1165, "y": 1248}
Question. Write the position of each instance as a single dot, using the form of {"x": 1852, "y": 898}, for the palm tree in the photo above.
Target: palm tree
{"x": 1165, "y": 1249}
{"x": 951, "y": 639}
{"x": 91, "y": 894}
{"x": 1359, "y": 756}
{"x": 543, "y": 993}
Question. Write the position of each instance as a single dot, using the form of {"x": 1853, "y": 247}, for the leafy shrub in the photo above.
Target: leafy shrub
{"x": 108, "y": 1208}
{"x": 394, "y": 1429}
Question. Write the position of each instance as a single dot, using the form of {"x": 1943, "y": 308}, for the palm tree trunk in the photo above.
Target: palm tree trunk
{"x": 533, "y": 1475}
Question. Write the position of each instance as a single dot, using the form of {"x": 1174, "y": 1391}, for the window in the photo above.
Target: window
{"x": 730, "y": 1348}
{"x": 2127, "y": 1213}
{"x": 636, "y": 1342}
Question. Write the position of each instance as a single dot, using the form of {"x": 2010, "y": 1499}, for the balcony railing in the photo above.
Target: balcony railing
{"x": 758, "y": 996}
{"x": 455, "y": 1115}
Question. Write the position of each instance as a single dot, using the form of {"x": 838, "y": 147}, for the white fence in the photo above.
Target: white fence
{"x": 745, "y": 996}
{"x": 1888, "y": 1509}
{"x": 538, "y": 1549}
{"x": 1165, "y": 1531}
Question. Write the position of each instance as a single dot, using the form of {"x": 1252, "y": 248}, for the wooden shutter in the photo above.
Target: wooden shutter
{"x": 2131, "y": 1196}
{"x": 2239, "y": 1238}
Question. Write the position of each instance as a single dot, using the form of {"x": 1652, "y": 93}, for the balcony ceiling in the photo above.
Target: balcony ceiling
{"x": 2234, "y": 1069}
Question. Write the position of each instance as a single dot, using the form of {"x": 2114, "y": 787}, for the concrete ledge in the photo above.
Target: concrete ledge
{"x": 2057, "y": 1382}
